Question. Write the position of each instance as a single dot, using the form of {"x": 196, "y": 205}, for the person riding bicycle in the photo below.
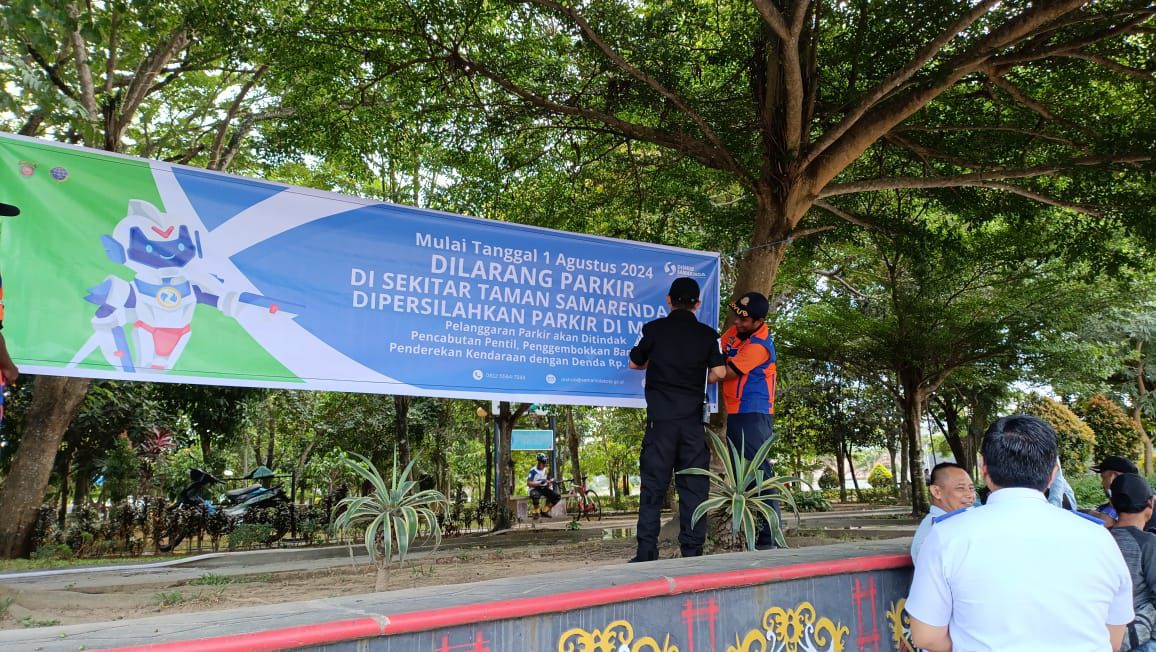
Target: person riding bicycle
{"x": 540, "y": 486}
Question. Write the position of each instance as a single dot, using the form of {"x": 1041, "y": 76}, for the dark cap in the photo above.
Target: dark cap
{"x": 1130, "y": 493}
{"x": 751, "y": 304}
{"x": 683, "y": 290}
{"x": 1115, "y": 463}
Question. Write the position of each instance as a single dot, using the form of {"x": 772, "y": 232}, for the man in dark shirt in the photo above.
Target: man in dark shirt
{"x": 1132, "y": 500}
{"x": 680, "y": 355}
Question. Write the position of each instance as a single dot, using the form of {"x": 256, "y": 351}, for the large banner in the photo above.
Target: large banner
{"x": 120, "y": 267}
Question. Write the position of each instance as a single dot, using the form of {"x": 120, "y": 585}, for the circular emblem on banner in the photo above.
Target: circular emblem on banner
{"x": 478, "y": 374}
{"x": 27, "y": 168}
{"x": 168, "y": 297}
{"x": 551, "y": 379}
{"x": 59, "y": 173}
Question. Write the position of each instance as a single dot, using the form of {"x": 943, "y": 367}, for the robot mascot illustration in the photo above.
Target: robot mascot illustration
{"x": 158, "y": 303}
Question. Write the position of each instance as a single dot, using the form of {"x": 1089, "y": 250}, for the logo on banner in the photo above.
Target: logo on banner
{"x": 27, "y": 168}
{"x": 679, "y": 269}
{"x": 551, "y": 379}
{"x": 478, "y": 375}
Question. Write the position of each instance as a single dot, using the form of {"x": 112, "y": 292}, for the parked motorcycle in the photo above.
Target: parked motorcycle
{"x": 234, "y": 504}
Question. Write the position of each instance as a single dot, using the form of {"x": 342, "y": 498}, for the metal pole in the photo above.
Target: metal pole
{"x": 554, "y": 443}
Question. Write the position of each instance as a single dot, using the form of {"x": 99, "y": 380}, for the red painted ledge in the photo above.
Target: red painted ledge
{"x": 416, "y": 621}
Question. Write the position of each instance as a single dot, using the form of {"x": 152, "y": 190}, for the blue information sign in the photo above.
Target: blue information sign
{"x": 532, "y": 440}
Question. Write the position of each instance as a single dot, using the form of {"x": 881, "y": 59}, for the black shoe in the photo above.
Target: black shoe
{"x": 637, "y": 560}
{"x": 767, "y": 546}
{"x": 692, "y": 552}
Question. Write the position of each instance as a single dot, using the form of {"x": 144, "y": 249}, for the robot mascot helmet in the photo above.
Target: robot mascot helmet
{"x": 150, "y": 242}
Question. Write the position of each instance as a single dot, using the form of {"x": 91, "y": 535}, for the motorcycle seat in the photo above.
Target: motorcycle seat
{"x": 233, "y": 493}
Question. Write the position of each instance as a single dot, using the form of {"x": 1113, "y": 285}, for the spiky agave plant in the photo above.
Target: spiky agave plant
{"x": 393, "y": 512}
{"x": 741, "y": 492}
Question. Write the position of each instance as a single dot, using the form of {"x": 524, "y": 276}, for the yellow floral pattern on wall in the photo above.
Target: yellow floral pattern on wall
{"x": 618, "y": 636}
{"x": 793, "y": 630}
{"x": 900, "y": 624}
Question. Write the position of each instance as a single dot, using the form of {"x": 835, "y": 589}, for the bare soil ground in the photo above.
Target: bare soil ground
{"x": 22, "y": 606}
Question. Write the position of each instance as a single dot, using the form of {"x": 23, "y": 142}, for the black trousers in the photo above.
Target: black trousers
{"x": 670, "y": 446}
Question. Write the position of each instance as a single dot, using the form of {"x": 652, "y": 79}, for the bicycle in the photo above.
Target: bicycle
{"x": 582, "y": 500}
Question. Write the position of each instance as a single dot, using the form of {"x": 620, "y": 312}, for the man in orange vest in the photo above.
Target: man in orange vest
{"x": 749, "y": 388}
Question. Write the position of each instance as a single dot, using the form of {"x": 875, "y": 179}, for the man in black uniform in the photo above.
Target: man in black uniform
{"x": 680, "y": 355}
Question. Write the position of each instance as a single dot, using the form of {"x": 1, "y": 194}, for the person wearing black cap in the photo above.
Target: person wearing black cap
{"x": 749, "y": 388}
{"x": 1109, "y": 470}
{"x": 1133, "y": 500}
{"x": 680, "y": 355}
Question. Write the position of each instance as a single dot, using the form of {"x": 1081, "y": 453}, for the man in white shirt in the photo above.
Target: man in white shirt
{"x": 951, "y": 491}
{"x": 1018, "y": 574}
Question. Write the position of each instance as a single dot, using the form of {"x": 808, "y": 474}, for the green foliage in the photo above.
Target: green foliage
{"x": 1075, "y": 438}
{"x": 170, "y": 598}
{"x": 829, "y": 479}
{"x": 739, "y": 492}
{"x": 247, "y": 535}
{"x": 121, "y": 468}
{"x": 1115, "y": 433}
{"x": 60, "y": 551}
{"x": 393, "y": 512}
{"x": 880, "y": 477}
{"x": 211, "y": 579}
{"x": 812, "y": 501}
{"x": 29, "y": 621}
{"x": 1088, "y": 489}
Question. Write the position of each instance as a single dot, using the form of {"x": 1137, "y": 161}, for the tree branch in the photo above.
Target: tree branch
{"x": 617, "y": 59}
{"x": 52, "y": 72}
{"x": 774, "y": 18}
{"x": 881, "y": 119}
{"x": 1011, "y": 130}
{"x": 893, "y": 81}
{"x": 83, "y": 72}
{"x": 973, "y": 178}
{"x": 846, "y": 216}
{"x": 1041, "y": 110}
{"x": 1143, "y": 74}
{"x": 231, "y": 114}
{"x": 704, "y": 153}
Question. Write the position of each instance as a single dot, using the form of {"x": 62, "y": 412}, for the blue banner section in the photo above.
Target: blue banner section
{"x": 532, "y": 440}
{"x": 453, "y": 304}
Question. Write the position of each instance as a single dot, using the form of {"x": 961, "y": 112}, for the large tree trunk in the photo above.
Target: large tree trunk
{"x": 572, "y": 444}
{"x": 487, "y": 492}
{"x": 55, "y": 401}
{"x": 854, "y": 478}
{"x": 401, "y": 429}
{"x": 912, "y": 403}
{"x": 1137, "y": 416}
{"x": 959, "y": 448}
{"x": 841, "y": 464}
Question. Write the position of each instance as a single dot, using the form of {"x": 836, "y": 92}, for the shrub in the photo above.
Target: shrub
{"x": 829, "y": 479}
{"x": 1115, "y": 432}
{"x": 247, "y": 535}
{"x": 812, "y": 501}
{"x": 880, "y": 477}
{"x": 1089, "y": 492}
{"x": 1075, "y": 438}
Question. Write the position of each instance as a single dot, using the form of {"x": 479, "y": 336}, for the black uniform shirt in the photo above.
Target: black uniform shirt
{"x": 677, "y": 349}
